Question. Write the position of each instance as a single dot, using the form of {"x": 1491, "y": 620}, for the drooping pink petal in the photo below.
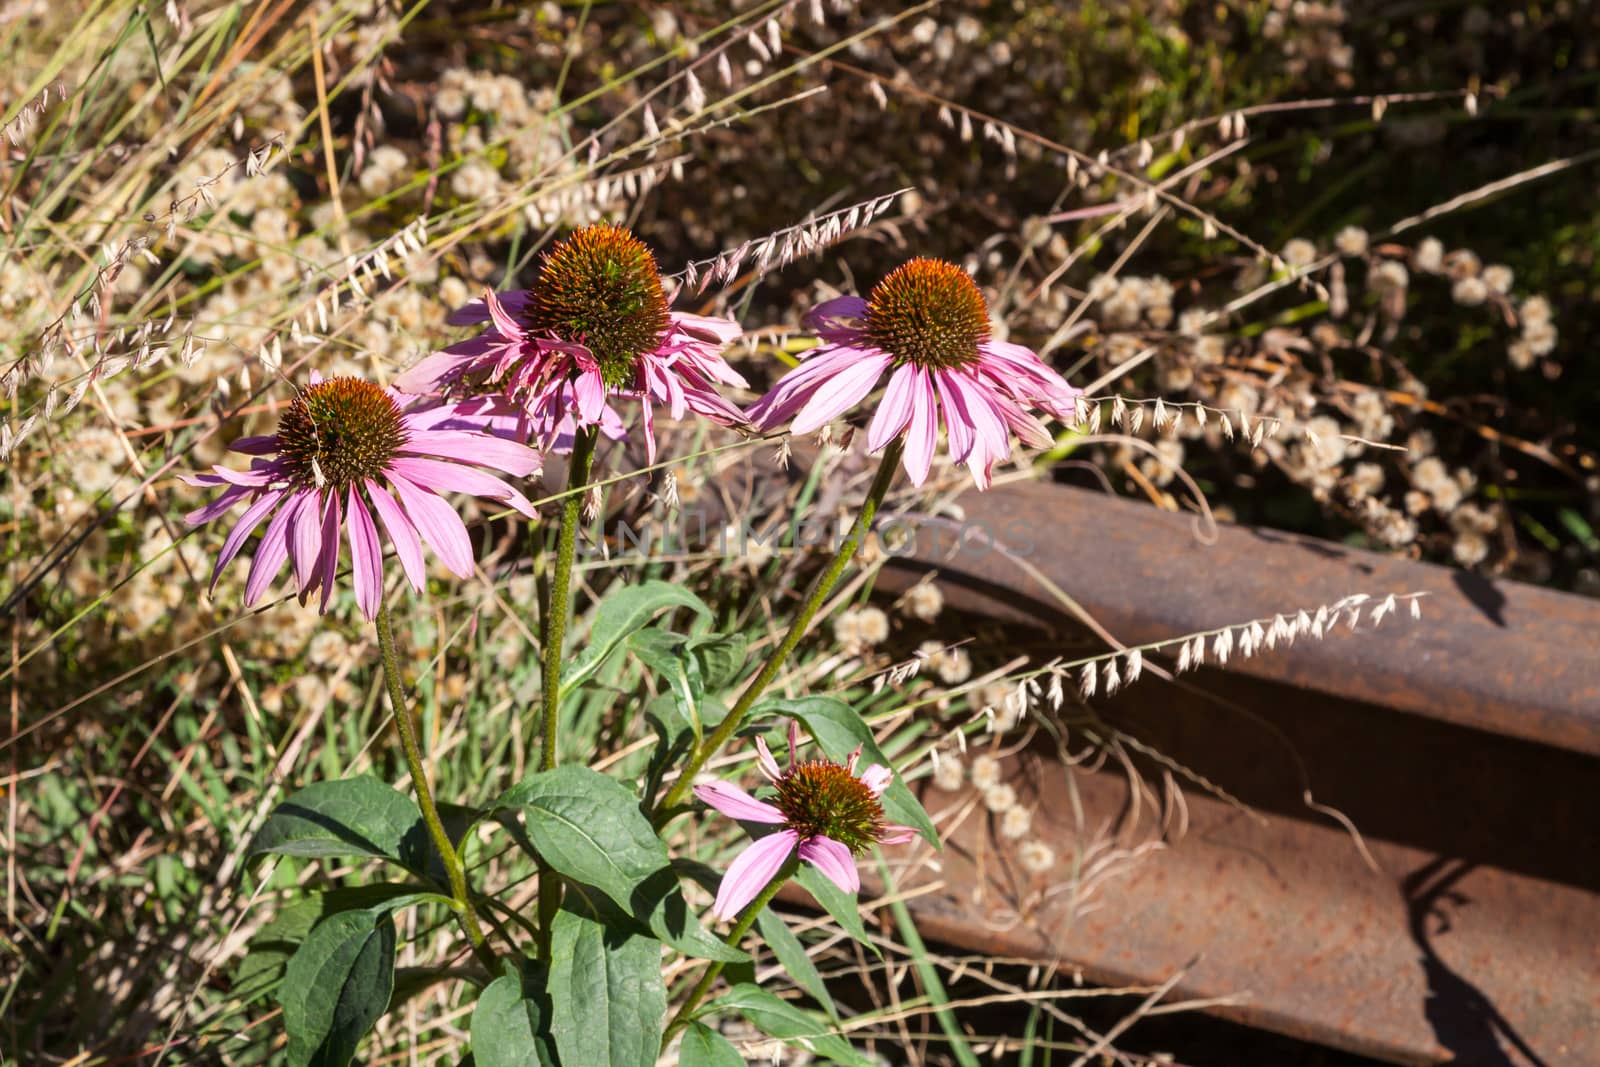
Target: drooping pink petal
{"x": 794, "y": 740}
{"x": 366, "y": 557}
{"x": 792, "y": 391}
{"x": 877, "y": 778}
{"x": 751, "y": 871}
{"x": 840, "y": 393}
{"x": 263, "y": 445}
{"x": 220, "y": 506}
{"x": 305, "y": 540}
{"x": 270, "y": 556}
{"x": 958, "y": 425}
{"x": 439, "y": 526}
{"x": 407, "y": 545}
{"x": 330, "y": 549}
{"x": 483, "y": 449}
{"x": 833, "y": 860}
{"x": 717, "y": 331}
{"x": 896, "y": 835}
{"x": 769, "y": 766}
{"x": 454, "y": 478}
{"x": 894, "y": 410}
{"x": 243, "y": 529}
{"x": 735, "y": 803}
{"x": 503, "y": 319}
{"x": 514, "y": 301}
{"x": 922, "y": 434}
{"x": 829, "y": 311}
{"x": 434, "y": 372}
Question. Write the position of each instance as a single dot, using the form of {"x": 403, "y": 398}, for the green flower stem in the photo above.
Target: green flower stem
{"x": 555, "y": 632}
{"x": 555, "y": 614}
{"x": 820, "y": 589}
{"x": 741, "y": 927}
{"x": 454, "y": 870}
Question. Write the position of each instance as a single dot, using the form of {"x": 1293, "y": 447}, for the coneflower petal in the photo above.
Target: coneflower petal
{"x": 833, "y": 860}
{"x": 366, "y": 557}
{"x": 750, "y": 872}
{"x": 407, "y": 545}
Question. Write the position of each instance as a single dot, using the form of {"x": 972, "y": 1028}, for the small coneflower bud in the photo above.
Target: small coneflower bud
{"x": 1015, "y": 823}
{"x": 1036, "y": 857}
{"x": 985, "y": 771}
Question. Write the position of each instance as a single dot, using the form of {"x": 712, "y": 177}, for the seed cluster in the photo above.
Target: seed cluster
{"x": 601, "y": 288}
{"x": 929, "y": 313}
{"x": 339, "y": 431}
{"x": 822, "y": 797}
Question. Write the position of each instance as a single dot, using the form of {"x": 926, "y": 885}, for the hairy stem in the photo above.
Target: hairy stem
{"x": 555, "y": 632}
{"x": 454, "y": 870}
{"x": 746, "y": 919}
{"x": 818, "y": 595}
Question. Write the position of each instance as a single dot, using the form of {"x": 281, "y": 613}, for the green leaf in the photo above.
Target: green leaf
{"x": 336, "y": 986}
{"x": 792, "y": 954}
{"x": 842, "y": 906}
{"x": 589, "y": 827}
{"x": 350, "y": 817}
{"x": 273, "y": 945}
{"x": 621, "y": 613}
{"x": 704, "y": 1047}
{"x": 789, "y": 1024}
{"x": 664, "y": 653}
{"x": 838, "y": 729}
{"x": 721, "y": 658}
{"x": 659, "y": 904}
{"x": 608, "y": 1003}
{"x": 509, "y": 1025}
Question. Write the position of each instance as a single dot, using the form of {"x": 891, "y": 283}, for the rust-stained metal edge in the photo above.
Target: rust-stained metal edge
{"x": 1500, "y": 656}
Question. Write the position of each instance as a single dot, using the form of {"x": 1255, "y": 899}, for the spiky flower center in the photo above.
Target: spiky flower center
{"x": 339, "y": 431}
{"x": 600, "y": 288}
{"x": 822, "y": 797}
{"x": 928, "y": 312}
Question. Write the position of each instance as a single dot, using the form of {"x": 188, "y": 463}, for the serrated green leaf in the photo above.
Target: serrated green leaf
{"x": 350, "y": 817}
{"x": 704, "y": 1047}
{"x": 621, "y": 613}
{"x": 839, "y": 728}
{"x": 336, "y": 986}
{"x": 608, "y": 1002}
{"x": 589, "y": 828}
{"x": 790, "y": 1024}
{"x": 509, "y": 1027}
{"x": 842, "y": 906}
{"x": 796, "y": 961}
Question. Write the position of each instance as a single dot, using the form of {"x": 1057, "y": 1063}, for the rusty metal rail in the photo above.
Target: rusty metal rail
{"x": 1462, "y": 745}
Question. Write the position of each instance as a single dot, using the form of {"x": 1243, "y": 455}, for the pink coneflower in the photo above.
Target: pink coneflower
{"x": 341, "y": 446}
{"x": 594, "y": 326}
{"x": 928, "y": 325}
{"x": 826, "y": 811}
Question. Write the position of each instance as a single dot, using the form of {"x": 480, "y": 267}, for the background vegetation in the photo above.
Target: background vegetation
{"x": 1369, "y": 227}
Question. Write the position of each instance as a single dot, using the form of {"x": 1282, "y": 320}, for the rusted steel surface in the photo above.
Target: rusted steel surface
{"x": 1505, "y": 657}
{"x": 1477, "y": 941}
